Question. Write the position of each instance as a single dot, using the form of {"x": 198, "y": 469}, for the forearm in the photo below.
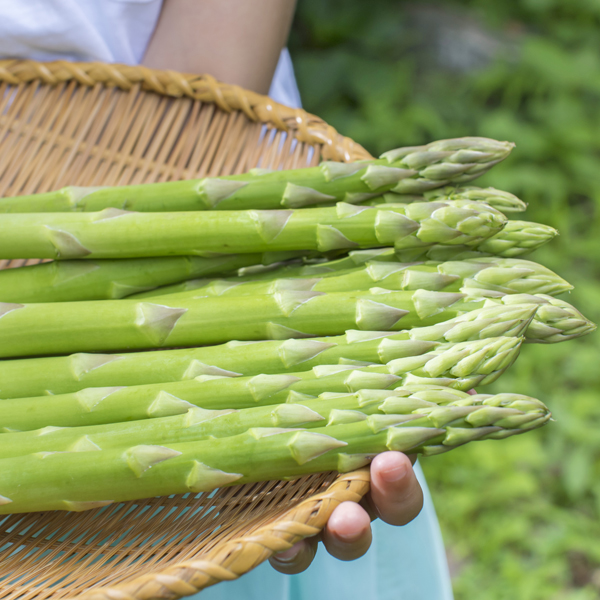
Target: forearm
{"x": 236, "y": 41}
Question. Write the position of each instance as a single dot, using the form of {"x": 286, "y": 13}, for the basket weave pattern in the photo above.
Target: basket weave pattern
{"x": 97, "y": 124}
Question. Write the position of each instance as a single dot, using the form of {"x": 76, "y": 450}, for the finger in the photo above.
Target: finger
{"x": 347, "y": 535}
{"x": 396, "y": 495}
{"x": 297, "y": 558}
{"x": 367, "y": 502}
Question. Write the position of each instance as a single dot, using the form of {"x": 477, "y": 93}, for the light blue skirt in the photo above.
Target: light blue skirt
{"x": 403, "y": 563}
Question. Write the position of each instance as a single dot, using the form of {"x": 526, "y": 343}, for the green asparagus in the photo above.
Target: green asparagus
{"x": 414, "y": 169}
{"x": 504, "y": 201}
{"x": 113, "y": 233}
{"x": 70, "y": 280}
{"x": 518, "y": 238}
{"x": 63, "y": 374}
{"x": 199, "y": 423}
{"x": 486, "y": 277}
{"x": 461, "y": 366}
{"x": 111, "y": 325}
{"x": 70, "y": 481}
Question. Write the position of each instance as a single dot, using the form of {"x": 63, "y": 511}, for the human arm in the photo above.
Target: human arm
{"x": 236, "y": 41}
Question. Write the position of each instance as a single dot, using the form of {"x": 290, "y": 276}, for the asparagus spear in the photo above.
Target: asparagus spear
{"x": 418, "y": 168}
{"x": 69, "y": 280}
{"x": 108, "y": 325}
{"x": 504, "y": 201}
{"x": 461, "y": 366}
{"x": 489, "y": 276}
{"x": 199, "y": 423}
{"x": 59, "y": 375}
{"x": 70, "y": 481}
{"x": 113, "y": 233}
{"x": 518, "y": 238}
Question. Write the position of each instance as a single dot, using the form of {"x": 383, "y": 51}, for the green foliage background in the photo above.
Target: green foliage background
{"x": 521, "y": 517}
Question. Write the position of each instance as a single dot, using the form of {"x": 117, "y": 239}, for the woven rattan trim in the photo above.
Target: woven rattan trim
{"x": 234, "y": 558}
{"x": 307, "y": 128}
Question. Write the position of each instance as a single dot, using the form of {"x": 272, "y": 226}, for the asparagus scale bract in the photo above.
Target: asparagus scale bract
{"x": 113, "y": 233}
{"x": 413, "y": 170}
{"x": 462, "y": 366}
{"x": 37, "y": 482}
{"x": 63, "y": 374}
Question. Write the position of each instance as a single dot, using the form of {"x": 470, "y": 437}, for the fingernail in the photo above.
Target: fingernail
{"x": 351, "y": 537}
{"x": 393, "y": 474}
{"x": 288, "y": 555}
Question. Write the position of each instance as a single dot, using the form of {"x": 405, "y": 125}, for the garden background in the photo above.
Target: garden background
{"x": 520, "y": 518}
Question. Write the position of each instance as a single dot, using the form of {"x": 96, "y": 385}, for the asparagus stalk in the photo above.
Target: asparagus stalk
{"x": 504, "y": 201}
{"x": 70, "y": 280}
{"x": 113, "y": 233}
{"x": 418, "y": 168}
{"x": 486, "y": 277}
{"x": 59, "y": 375}
{"x": 70, "y": 481}
{"x": 67, "y": 327}
{"x": 461, "y": 366}
{"x": 110, "y": 325}
{"x": 199, "y": 423}
{"x": 518, "y": 238}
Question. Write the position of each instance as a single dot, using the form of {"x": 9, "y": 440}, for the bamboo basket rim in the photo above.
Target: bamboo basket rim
{"x": 227, "y": 97}
{"x": 236, "y": 556}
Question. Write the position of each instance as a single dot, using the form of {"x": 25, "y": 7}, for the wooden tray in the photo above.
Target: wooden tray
{"x": 97, "y": 124}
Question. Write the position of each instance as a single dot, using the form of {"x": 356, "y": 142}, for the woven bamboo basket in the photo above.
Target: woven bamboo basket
{"x": 97, "y": 124}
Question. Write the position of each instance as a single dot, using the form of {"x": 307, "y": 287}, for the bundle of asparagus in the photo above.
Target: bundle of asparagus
{"x": 343, "y": 330}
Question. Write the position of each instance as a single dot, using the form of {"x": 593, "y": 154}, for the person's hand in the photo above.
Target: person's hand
{"x": 395, "y": 497}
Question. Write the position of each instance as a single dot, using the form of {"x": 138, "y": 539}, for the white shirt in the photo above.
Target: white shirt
{"x": 112, "y": 31}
